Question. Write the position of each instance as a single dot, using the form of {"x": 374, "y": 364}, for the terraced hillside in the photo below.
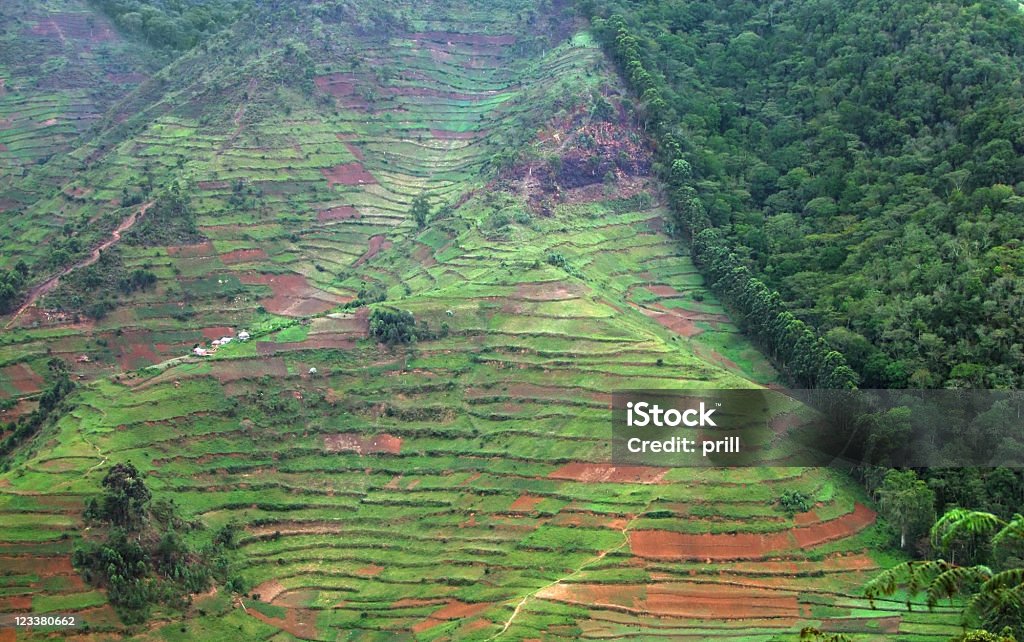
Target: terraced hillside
{"x": 455, "y": 488}
{"x": 62, "y": 66}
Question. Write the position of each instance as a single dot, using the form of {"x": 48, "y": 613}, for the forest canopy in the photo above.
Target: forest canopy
{"x": 865, "y": 163}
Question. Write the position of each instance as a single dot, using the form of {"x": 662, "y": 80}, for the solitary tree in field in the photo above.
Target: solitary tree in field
{"x": 420, "y": 210}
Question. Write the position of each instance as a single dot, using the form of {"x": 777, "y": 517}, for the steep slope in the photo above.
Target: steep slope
{"x": 458, "y": 487}
{"x": 62, "y": 65}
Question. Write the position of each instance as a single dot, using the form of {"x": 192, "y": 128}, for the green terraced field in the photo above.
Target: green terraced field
{"x": 454, "y": 489}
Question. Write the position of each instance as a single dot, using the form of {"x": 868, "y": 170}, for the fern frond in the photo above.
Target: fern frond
{"x": 960, "y": 521}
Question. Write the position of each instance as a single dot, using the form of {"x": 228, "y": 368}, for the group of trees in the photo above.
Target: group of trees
{"x": 865, "y": 163}
{"x": 172, "y": 24}
{"x": 170, "y": 220}
{"x": 393, "y": 326}
{"x": 140, "y": 557}
{"x": 93, "y": 290}
{"x": 11, "y": 284}
{"x": 794, "y": 345}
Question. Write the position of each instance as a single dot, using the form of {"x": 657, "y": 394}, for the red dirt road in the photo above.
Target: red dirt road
{"x": 49, "y": 284}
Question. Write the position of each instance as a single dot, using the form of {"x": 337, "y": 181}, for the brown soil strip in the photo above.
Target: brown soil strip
{"x": 656, "y": 544}
{"x": 681, "y": 600}
{"x": 606, "y": 473}
{"x": 454, "y": 610}
{"x": 23, "y": 378}
{"x": 376, "y": 244}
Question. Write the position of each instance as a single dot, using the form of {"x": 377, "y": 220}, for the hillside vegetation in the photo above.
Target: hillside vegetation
{"x": 436, "y": 236}
{"x": 865, "y": 163}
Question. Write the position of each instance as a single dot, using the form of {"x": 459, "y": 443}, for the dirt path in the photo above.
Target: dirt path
{"x": 49, "y": 284}
{"x": 590, "y": 562}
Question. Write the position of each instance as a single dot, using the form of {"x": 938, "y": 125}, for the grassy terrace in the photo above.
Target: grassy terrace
{"x": 457, "y": 488}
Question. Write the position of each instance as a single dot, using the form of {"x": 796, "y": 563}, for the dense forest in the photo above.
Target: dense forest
{"x": 864, "y": 163}
{"x": 172, "y": 24}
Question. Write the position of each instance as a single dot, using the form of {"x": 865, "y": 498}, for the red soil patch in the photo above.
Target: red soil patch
{"x": 447, "y": 134}
{"x": 3, "y": 148}
{"x": 680, "y": 600}
{"x": 383, "y": 443}
{"x": 337, "y": 85}
{"x": 597, "y": 473}
{"x": 834, "y": 529}
{"x": 425, "y": 255}
{"x": 24, "y": 379}
{"x": 784, "y": 422}
{"x": 217, "y": 332}
{"x": 15, "y": 603}
{"x": 803, "y": 519}
{"x": 341, "y": 213}
{"x": 243, "y": 256}
{"x": 137, "y": 355}
{"x": 370, "y": 571}
{"x": 292, "y": 294}
{"x": 525, "y": 503}
{"x": 192, "y": 251}
{"x": 454, "y": 610}
{"x": 656, "y": 544}
{"x": 348, "y": 174}
{"x": 463, "y": 38}
{"x": 377, "y": 243}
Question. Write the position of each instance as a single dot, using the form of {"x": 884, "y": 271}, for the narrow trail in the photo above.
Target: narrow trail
{"x": 593, "y": 560}
{"x": 49, "y": 284}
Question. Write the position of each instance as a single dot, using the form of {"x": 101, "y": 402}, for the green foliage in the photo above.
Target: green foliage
{"x": 50, "y": 406}
{"x": 393, "y": 326}
{"x": 420, "y": 210}
{"x": 907, "y": 502}
{"x": 172, "y": 24}
{"x": 141, "y": 557}
{"x": 793, "y": 344}
{"x": 93, "y": 290}
{"x": 877, "y": 187}
{"x": 793, "y": 501}
{"x": 995, "y": 595}
{"x": 169, "y": 221}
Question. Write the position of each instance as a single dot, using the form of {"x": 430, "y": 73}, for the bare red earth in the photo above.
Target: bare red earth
{"x": 656, "y": 544}
{"x": 377, "y": 243}
{"x": 243, "y": 256}
{"x": 597, "y": 473}
{"x": 525, "y": 503}
{"x": 348, "y": 174}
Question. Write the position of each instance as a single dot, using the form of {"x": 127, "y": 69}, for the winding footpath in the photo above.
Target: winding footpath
{"x": 49, "y": 284}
